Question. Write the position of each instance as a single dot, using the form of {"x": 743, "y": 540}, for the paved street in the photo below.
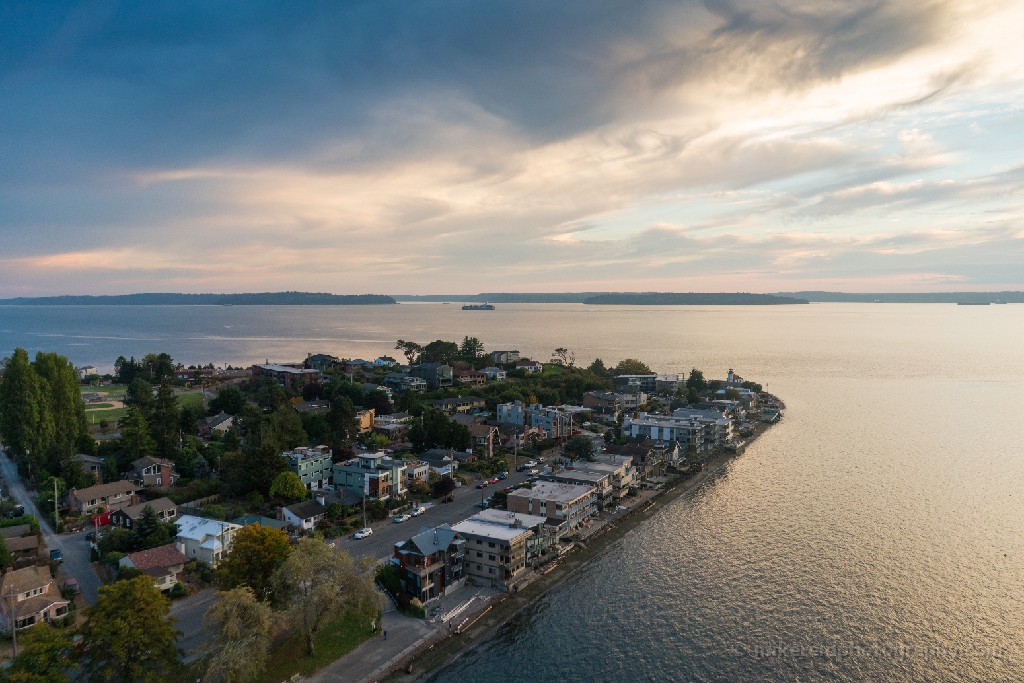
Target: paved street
{"x": 386, "y": 533}
{"x": 189, "y": 614}
{"x": 74, "y": 547}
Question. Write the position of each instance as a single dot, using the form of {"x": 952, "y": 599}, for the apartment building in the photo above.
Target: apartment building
{"x": 364, "y": 475}
{"x": 431, "y": 563}
{"x": 495, "y": 548}
{"x": 312, "y": 465}
{"x": 566, "y": 506}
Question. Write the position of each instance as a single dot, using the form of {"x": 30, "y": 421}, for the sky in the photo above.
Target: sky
{"x": 421, "y": 147}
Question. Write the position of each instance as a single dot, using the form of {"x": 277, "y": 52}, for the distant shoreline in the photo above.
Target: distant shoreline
{"x": 171, "y": 299}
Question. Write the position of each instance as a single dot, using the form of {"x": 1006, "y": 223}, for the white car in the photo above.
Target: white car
{"x": 363, "y": 533}
{"x": 402, "y": 518}
{"x": 418, "y": 511}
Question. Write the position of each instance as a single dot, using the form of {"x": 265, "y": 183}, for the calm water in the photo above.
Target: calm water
{"x": 874, "y": 535}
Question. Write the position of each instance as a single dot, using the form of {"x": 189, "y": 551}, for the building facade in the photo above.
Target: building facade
{"x": 430, "y": 563}
{"x": 566, "y": 506}
{"x": 312, "y": 465}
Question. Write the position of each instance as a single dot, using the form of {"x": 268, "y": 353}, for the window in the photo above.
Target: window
{"x": 490, "y": 545}
{"x": 479, "y": 542}
{"x": 491, "y": 558}
{"x": 490, "y": 569}
{"x": 479, "y": 554}
{"x": 479, "y": 567}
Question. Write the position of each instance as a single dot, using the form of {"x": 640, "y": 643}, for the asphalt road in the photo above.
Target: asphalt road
{"x": 386, "y": 533}
{"x": 188, "y": 614}
{"x": 74, "y": 547}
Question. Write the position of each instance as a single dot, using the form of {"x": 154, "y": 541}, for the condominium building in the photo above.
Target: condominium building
{"x": 365, "y": 475}
{"x": 312, "y": 465}
{"x": 496, "y": 549}
{"x": 566, "y": 506}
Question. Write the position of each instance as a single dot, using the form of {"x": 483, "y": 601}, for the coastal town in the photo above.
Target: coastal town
{"x": 325, "y": 501}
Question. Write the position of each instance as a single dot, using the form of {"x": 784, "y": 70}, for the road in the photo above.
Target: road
{"x": 74, "y": 547}
{"x": 189, "y": 614}
{"x": 386, "y": 533}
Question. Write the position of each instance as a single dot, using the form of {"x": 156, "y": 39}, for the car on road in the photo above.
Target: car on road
{"x": 483, "y": 484}
{"x": 534, "y": 471}
{"x": 493, "y": 480}
{"x": 56, "y": 556}
{"x": 529, "y": 463}
{"x": 402, "y": 518}
{"x": 362, "y": 533}
{"x": 72, "y": 585}
{"x": 418, "y": 511}
{"x": 89, "y": 536}
{"x": 502, "y": 475}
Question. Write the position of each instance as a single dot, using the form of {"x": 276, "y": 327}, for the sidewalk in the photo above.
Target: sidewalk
{"x": 404, "y": 633}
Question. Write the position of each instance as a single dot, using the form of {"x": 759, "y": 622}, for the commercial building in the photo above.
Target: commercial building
{"x": 430, "y": 563}
{"x": 566, "y": 506}
{"x": 312, "y": 465}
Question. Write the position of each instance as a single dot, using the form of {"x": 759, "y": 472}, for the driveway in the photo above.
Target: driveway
{"x": 386, "y": 533}
{"x": 74, "y": 547}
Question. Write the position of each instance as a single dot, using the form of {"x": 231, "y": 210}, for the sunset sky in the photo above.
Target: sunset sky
{"x": 453, "y": 147}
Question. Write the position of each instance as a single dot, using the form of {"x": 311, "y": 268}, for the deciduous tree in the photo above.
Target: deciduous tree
{"x": 580, "y": 447}
{"x": 631, "y": 366}
{"x": 46, "y": 657}
{"x": 128, "y": 635}
{"x": 440, "y": 351}
{"x": 287, "y": 485}
{"x": 256, "y": 553}
{"x": 240, "y": 628}
{"x": 317, "y": 582}
{"x": 229, "y": 399}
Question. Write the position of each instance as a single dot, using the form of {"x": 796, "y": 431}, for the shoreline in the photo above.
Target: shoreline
{"x": 434, "y": 655}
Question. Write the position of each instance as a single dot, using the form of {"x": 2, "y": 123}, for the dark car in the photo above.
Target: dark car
{"x": 56, "y": 555}
{"x": 89, "y": 536}
{"x": 502, "y": 475}
{"x": 72, "y": 585}
{"x": 482, "y": 484}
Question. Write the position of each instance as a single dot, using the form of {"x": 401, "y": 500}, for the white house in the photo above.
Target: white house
{"x": 495, "y": 374}
{"x": 207, "y": 540}
{"x": 385, "y": 362}
{"x": 303, "y": 515}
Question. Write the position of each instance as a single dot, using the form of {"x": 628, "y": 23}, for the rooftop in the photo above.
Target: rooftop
{"x": 24, "y": 580}
{"x": 249, "y": 520}
{"x": 307, "y": 509}
{"x": 198, "y": 528}
{"x": 274, "y": 367}
{"x": 505, "y": 517}
{"x": 491, "y": 529}
{"x": 103, "y": 490}
{"x": 158, "y": 505}
{"x": 162, "y": 556}
{"x": 548, "y": 490}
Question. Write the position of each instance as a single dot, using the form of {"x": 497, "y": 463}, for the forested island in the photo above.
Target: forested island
{"x": 912, "y": 297}
{"x": 691, "y": 299}
{"x": 172, "y": 299}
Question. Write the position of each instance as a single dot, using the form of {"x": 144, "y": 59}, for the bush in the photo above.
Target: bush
{"x": 127, "y": 573}
{"x": 387, "y": 575}
{"x": 178, "y": 591}
{"x": 415, "y": 609}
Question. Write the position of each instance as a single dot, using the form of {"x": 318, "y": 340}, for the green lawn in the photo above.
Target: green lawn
{"x": 190, "y": 398}
{"x": 94, "y": 416}
{"x": 336, "y": 638}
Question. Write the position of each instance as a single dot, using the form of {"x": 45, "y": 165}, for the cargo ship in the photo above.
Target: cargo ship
{"x": 478, "y": 307}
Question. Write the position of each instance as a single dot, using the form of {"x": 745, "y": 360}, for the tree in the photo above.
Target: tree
{"x": 410, "y": 349}
{"x": 159, "y": 365}
{"x": 140, "y": 394}
{"x": 471, "y": 349}
{"x": 189, "y": 415}
{"x": 110, "y": 473}
{"x": 46, "y": 657}
{"x": 163, "y": 423}
{"x": 45, "y": 500}
{"x": 240, "y": 628}
{"x": 580, "y": 447}
{"x": 379, "y": 401}
{"x": 149, "y": 528}
{"x": 563, "y": 356}
{"x": 287, "y": 426}
{"x": 129, "y": 636}
{"x": 444, "y": 487}
{"x": 342, "y": 420}
{"x": 287, "y": 485}
{"x": 60, "y": 390}
{"x": 256, "y": 553}
{"x": 25, "y": 425}
{"x": 125, "y": 370}
{"x": 696, "y": 381}
{"x": 229, "y": 399}
{"x": 317, "y": 582}
{"x": 135, "y": 439}
{"x": 732, "y": 394}
{"x": 598, "y": 368}
{"x": 440, "y": 351}
{"x": 6, "y": 559}
{"x": 631, "y": 366}
{"x": 692, "y": 396}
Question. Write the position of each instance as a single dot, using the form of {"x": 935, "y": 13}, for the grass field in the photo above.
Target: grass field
{"x": 336, "y": 638}
{"x": 112, "y": 415}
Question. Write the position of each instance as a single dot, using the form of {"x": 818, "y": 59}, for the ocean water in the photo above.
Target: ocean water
{"x": 876, "y": 534}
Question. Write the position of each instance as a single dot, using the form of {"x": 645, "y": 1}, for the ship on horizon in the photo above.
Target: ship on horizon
{"x": 478, "y": 307}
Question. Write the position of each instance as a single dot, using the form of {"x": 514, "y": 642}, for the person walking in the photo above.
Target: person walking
{"x": 385, "y": 634}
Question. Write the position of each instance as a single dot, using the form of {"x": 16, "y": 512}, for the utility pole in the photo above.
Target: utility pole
{"x": 56, "y": 515}
{"x": 14, "y": 621}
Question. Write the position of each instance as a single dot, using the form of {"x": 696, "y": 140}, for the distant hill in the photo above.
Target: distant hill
{"x": 692, "y": 299}
{"x": 913, "y": 298}
{"x": 164, "y": 299}
{"x": 504, "y": 297}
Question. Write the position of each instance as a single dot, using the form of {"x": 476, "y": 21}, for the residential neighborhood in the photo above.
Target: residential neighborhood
{"x": 456, "y": 471}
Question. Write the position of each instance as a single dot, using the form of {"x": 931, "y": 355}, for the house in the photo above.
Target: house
{"x": 398, "y": 469}
{"x": 530, "y": 366}
{"x": 566, "y": 506}
{"x": 312, "y": 465}
{"x": 401, "y": 381}
{"x": 90, "y": 465}
{"x": 466, "y": 419}
{"x": 126, "y": 517}
{"x": 23, "y": 546}
{"x": 163, "y": 564}
{"x": 295, "y": 376}
{"x": 364, "y": 420}
{"x": 385, "y": 362}
{"x": 364, "y": 475}
{"x": 632, "y": 384}
{"x": 555, "y": 423}
{"x": 30, "y": 596}
{"x": 314, "y": 407}
{"x": 504, "y": 357}
{"x": 86, "y": 372}
{"x": 393, "y": 418}
{"x": 149, "y": 471}
{"x": 607, "y": 403}
{"x": 370, "y": 387}
{"x": 356, "y": 365}
{"x": 435, "y": 375}
{"x": 470, "y": 378}
{"x": 430, "y": 564}
{"x": 459, "y": 404}
{"x": 441, "y": 461}
{"x": 206, "y": 540}
{"x": 516, "y": 435}
{"x": 320, "y": 361}
{"x": 496, "y": 545}
{"x": 116, "y": 494}
{"x": 395, "y": 431}
{"x": 184, "y": 375}
{"x": 494, "y": 374}
{"x": 15, "y": 531}
{"x": 249, "y": 520}
{"x": 512, "y": 413}
{"x": 416, "y": 469}
{"x": 484, "y": 437}
{"x": 221, "y": 422}
{"x": 304, "y": 515}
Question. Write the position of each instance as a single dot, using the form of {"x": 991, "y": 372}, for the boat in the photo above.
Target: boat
{"x": 972, "y": 303}
{"x": 478, "y": 307}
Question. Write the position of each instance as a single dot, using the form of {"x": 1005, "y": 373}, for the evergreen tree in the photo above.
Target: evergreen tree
{"x": 25, "y": 424}
{"x": 140, "y": 394}
{"x": 135, "y": 439}
{"x": 66, "y": 407}
{"x": 148, "y": 524}
{"x": 163, "y": 423}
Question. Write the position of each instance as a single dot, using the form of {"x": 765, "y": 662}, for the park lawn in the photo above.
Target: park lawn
{"x": 111, "y": 389}
{"x": 97, "y": 406}
{"x": 184, "y": 399}
{"x": 336, "y": 638}
{"x": 94, "y": 416}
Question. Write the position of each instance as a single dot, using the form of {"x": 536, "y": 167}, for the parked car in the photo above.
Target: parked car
{"x": 502, "y": 475}
{"x": 529, "y": 463}
{"x": 72, "y": 585}
{"x": 483, "y": 484}
{"x": 362, "y": 533}
{"x": 402, "y": 518}
{"x": 90, "y": 536}
{"x": 418, "y": 511}
{"x": 493, "y": 480}
{"x": 56, "y": 556}
{"x": 534, "y": 471}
